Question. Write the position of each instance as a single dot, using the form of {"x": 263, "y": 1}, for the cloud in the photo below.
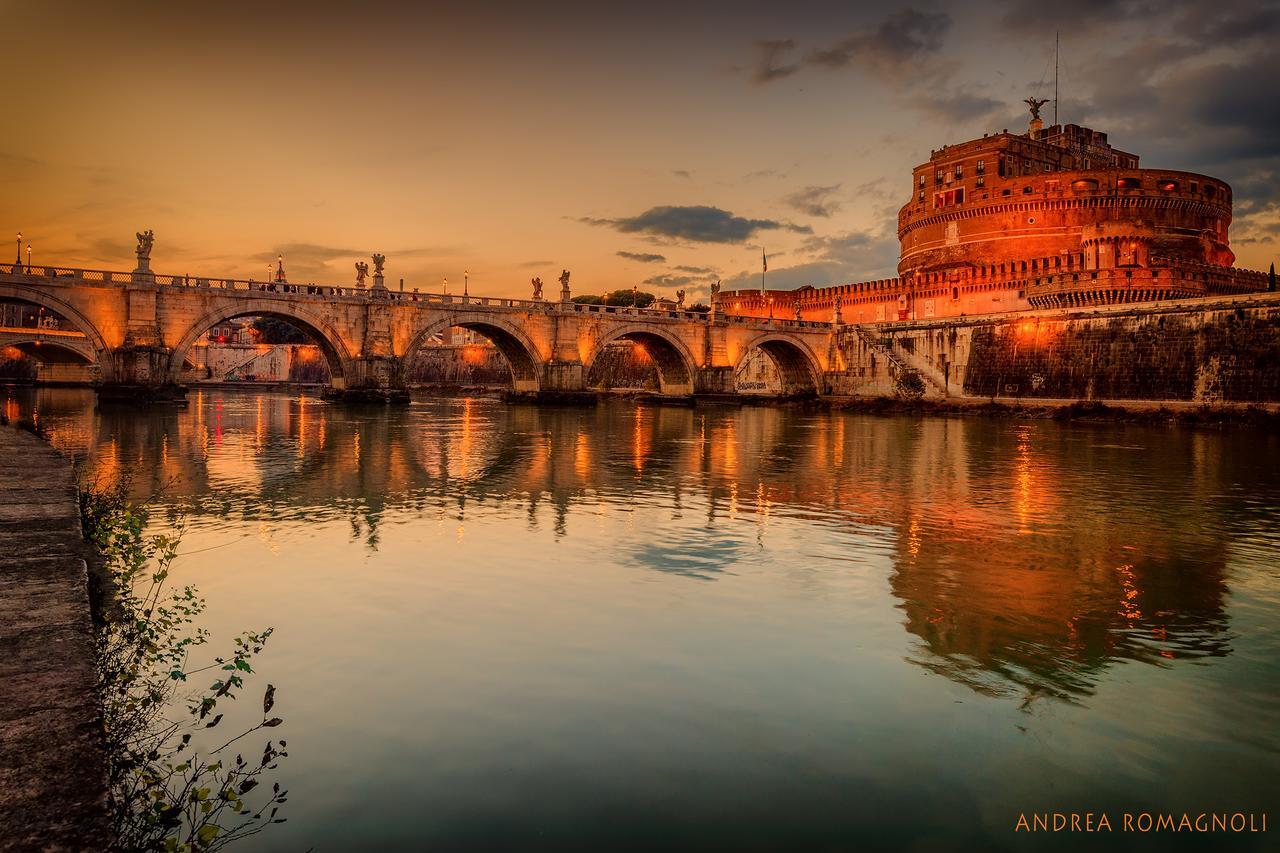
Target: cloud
{"x": 698, "y": 270}
{"x": 682, "y": 173}
{"x": 643, "y": 257}
{"x": 814, "y": 201}
{"x": 895, "y": 47}
{"x": 696, "y": 223}
{"x": 771, "y": 60}
{"x": 533, "y": 264}
{"x": 958, "y": 107}
{"x": 670, "y": 280}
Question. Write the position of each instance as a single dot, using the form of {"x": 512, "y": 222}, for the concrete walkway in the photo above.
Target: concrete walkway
{"x": 52, "y": 768}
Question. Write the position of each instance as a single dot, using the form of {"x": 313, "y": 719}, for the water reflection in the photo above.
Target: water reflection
{"x": 1026, "y": 557}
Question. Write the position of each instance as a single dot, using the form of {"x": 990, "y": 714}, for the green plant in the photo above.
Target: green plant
{"x": 165, "y": 794}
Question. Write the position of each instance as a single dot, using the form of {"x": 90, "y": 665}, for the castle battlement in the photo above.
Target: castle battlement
{"x": 1054, "y": 216}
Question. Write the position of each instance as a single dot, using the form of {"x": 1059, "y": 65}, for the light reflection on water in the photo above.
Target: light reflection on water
{"x": 635, "y": 626}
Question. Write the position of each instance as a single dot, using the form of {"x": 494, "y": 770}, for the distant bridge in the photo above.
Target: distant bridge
{"x": 137, "y": 327}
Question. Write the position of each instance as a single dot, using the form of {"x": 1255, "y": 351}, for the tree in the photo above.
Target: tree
{"x": 1271, "y": 279}
{"x": 274, "y": 331}
{"x": 627, "y": 296}
{"x": 589, "y": 299}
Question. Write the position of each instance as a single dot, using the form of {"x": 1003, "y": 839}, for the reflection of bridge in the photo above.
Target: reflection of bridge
{"x": 139, "y": 326}
{"x": 1002, "y": 592}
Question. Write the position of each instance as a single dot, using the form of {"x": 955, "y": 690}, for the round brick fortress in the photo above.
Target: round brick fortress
{"x": 1115, "y": 218}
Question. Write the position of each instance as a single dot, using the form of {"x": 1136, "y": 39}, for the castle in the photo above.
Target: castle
{"x": 1051, "y": 218}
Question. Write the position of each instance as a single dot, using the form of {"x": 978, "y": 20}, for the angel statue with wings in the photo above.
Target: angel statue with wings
{"x": 362, "y": 270}
{"x": 145, "y": 239}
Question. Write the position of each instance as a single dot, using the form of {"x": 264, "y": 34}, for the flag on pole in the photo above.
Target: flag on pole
{"x": 764, "y": 259}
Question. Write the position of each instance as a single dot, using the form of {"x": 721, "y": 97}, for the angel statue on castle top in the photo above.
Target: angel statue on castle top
{"x": 1035, "y": 104}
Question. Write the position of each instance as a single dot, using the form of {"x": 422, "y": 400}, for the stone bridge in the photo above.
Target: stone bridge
{"x": 138, "y": 327}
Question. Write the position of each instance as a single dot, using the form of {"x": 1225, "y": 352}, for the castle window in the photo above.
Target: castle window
{"x": 1129, "y": 183}
{"x": 981, "y": 182}
{"x": 921, "y": 195}
{"x": 1027, "y": 190}
{"x": 959, "y": 171}
{"x": 937, "y": 179}
{"x": 1168, "y": 185}
{"x": 922, "y": 179}
{"x": 981, "y": 167}
{"x": 1048, "y": 167}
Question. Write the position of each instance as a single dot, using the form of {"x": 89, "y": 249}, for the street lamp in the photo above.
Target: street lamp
{"x": 28, "y": 259}
{"x": 466, "y": 277}
{"x": 18, "y": 262}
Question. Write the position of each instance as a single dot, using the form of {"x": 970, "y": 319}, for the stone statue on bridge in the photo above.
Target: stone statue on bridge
{"x": 362, "y": 270}
{"x": 797, "y": 310}
{"x": 715, "y": 290}
{"x": 145, "y": 239}
{"x": 143, "y": 271}
{"x": 680, "y": 300}
{"x": 378, "y": 261}
{"x": 564, "y": 286}
{"x": 537, "y": 287}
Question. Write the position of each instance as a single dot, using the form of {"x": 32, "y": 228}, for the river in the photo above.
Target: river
{"x": 642, "y": 627}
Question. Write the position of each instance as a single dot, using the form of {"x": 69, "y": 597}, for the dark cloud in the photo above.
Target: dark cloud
{"x": 814, "y": 200}
{"x": 696, "y": 223}
{"x": 1074, "y": 16}
{"x": 533, "y": 264}
{"x": 771, "y": 60}
{"x": 643, "y": 257}
{"x": 958, "y": 107}
{"x": 698, "y": 270}
{"x": 682, "y": 173}
{"x": 892, "y": 48}
{"x": 669, "y": 280}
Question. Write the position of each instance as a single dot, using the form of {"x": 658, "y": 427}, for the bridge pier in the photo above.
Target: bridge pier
{"x": 369, "y": 379}
{"x": 139, "y": 373}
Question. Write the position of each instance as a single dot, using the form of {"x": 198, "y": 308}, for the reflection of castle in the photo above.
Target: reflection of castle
{"x": 1054, "y": 217}
{"x": 1014, "y": 570}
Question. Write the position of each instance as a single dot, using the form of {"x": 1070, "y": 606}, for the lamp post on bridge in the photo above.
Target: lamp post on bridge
{"x": 28, "y": 259}
{"x": 18, "y": 262}
{"x": 466, "y": 279}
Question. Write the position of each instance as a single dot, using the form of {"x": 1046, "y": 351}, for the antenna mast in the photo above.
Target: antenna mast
{"x": 1055, "y": 77}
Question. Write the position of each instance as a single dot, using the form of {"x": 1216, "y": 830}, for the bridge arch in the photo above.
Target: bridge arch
{"x": 42, "y": 299}
{"x": 516, "y": 347}
{"x": 676, "y": 365}
{"x": 798, "y": 368}
{"x": 329, "y": 341}
{"x": 50, "y": 351}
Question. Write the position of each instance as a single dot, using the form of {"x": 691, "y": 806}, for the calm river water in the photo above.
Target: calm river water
{"x": 637, "y": 627}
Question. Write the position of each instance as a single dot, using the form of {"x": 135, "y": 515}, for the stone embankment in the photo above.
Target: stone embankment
{"x": 53, "y": 785}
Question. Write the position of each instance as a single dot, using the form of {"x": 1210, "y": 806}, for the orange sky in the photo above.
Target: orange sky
{"x": 514, "y": 142}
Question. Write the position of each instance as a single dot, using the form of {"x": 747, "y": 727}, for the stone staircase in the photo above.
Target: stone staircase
{"x": 908, "y": 381}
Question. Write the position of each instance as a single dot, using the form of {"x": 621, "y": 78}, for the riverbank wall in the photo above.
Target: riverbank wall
{"x": 53, "y": 777}
{"x": 1222, "y": 352}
